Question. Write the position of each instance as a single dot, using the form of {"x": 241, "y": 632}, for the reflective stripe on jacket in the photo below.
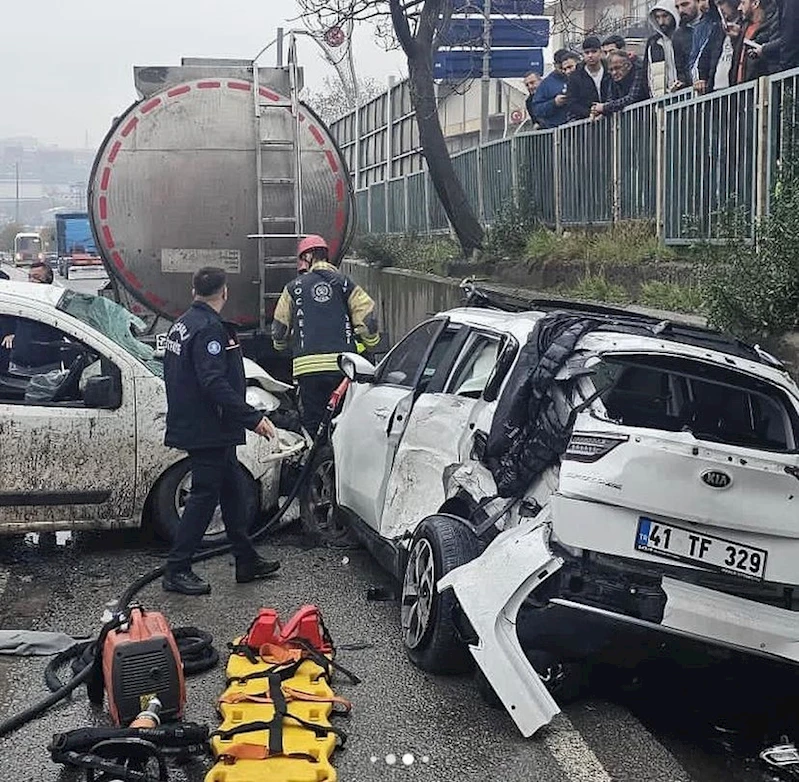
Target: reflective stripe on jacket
{"x": 321, "y": 314}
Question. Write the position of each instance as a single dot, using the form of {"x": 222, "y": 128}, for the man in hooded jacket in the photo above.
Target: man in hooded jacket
{"x": 662, "y": 48}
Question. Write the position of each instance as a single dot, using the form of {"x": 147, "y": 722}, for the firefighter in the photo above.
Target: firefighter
{"x": 207, "y": 416}
{"x": 320, "y": 314}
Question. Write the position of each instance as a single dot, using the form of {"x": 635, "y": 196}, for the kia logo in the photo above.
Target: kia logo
{"x": 716, "y": 479}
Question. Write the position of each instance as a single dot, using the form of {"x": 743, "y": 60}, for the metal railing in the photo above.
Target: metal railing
{"x": 699, "y": 168}
{"x": 710, "y": 177}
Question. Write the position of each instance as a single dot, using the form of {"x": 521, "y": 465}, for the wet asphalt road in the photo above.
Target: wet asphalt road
{"x": 397, "y": 708}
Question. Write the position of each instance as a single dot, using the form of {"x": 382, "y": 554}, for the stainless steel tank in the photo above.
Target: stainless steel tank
{"x": 175, "y": 186}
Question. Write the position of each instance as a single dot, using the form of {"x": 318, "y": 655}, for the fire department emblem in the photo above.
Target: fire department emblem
{"x": 321, "y": 292}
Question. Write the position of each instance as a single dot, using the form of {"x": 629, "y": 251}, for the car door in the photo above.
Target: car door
{"x": 370, "y": 427}
{"x": 432, "y": 439}
{"x": 63, "y": 464}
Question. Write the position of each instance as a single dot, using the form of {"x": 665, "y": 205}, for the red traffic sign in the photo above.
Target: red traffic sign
{"x": 334, "y": 37}
{"x": 516, "y": 117}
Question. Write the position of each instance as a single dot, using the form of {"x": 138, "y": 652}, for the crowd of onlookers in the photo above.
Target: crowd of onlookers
{"x": 703, "y": 45}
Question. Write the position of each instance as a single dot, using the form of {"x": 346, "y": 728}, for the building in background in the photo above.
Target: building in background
{"x": 573, "y": 20}
{"x": 37, "y": 177}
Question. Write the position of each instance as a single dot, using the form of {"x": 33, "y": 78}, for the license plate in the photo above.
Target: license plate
{"x": 708, "y": 551}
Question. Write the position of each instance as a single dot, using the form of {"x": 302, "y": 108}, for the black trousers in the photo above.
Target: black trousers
{"x": 315, "y": 390}
{"x": 216, "y": 479}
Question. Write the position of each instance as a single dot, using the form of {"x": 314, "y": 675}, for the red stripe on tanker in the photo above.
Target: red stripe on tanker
{"x": 181, "y": 195}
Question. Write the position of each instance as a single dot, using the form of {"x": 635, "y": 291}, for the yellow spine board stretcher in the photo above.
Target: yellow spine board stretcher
{"x": 276, "y": 719}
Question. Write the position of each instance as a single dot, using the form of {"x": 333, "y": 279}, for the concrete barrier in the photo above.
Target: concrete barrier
{"x": 405, "y": 298}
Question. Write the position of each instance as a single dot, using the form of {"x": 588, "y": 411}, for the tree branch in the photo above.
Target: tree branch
{"x": 402, "y": 28}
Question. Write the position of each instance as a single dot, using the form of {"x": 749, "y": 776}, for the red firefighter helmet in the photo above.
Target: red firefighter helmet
{"x": 312, "y": 242}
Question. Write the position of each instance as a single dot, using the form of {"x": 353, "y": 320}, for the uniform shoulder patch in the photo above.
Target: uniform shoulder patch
{"x": 214, "y": 348}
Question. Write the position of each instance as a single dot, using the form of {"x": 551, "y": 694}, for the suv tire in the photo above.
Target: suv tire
{"x": 429, "y": 633}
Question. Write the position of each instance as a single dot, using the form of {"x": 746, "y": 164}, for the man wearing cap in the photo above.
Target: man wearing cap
{"x": 320, "y": 314}
{"x": 590, "y": 82}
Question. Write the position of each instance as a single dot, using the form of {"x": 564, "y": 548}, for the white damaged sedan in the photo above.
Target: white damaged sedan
{"x": 82, "y": 442}
{"x": 549, "y": 483}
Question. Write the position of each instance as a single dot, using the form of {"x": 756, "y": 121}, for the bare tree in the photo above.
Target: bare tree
{"x": 415, "y": 25}
{"x": 331, "y": 102}
{"x": 568, "y": 20}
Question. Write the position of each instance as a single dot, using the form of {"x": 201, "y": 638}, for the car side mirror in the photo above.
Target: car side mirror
{"x": 102, "y": 393}
{"x": 356, "y": 368}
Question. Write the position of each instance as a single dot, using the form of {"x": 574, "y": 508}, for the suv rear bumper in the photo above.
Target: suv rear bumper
{"x": 523, "y": 587}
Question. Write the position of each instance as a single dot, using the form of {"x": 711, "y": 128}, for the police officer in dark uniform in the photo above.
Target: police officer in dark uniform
{"x": 207, "y": 416}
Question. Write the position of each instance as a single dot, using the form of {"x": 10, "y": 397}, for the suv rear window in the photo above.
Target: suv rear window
{"x": 713, "y": 403}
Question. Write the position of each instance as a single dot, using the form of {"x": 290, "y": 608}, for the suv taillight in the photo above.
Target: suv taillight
{"x": 590, "y": 447}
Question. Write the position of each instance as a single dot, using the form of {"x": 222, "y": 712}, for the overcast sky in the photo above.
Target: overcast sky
{"x": 66, "y": 66}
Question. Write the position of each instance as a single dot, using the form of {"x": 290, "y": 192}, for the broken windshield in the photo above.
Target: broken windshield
{"x": 114, "y": 322}
{"x": 713, "y": 403}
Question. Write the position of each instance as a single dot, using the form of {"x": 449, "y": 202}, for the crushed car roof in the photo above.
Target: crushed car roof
{"x": 35, "y": 291}
{"x": 519, "y": 323}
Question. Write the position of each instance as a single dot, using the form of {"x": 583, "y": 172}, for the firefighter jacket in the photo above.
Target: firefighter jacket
{"x": 205, "y": 383}
{"x": 320, "y": 314}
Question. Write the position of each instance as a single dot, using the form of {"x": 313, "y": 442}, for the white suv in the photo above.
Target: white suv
{"x": 545, "y": 483}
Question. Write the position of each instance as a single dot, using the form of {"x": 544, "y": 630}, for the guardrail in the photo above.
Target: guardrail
{"x": 699, "y": 168}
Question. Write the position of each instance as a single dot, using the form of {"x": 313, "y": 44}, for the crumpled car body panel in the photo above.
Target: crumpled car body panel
{"x": 519, "y": 559}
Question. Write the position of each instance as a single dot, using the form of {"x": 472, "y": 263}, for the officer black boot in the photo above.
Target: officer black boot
{"x": 255, "y": 569}
{"x": 186, "y": 582}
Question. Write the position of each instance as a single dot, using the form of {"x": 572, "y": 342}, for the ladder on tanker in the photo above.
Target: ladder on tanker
{"x": 278, "y": 158}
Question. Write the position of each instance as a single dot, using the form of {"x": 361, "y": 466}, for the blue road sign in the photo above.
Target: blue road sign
{"x": 504, "y": 64}
{"x": 504, "y": 32}
{"x": 521, "y": 7}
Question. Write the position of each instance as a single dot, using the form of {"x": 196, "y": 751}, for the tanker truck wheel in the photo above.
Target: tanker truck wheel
{"x": 169, "y": 499}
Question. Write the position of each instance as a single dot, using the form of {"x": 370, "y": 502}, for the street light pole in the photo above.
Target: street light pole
{"x": 485, "y": 82}
{"x": 16, "y": 200}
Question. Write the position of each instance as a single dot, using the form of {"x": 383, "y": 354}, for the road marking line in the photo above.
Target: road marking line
{"x": 571, "y": 752}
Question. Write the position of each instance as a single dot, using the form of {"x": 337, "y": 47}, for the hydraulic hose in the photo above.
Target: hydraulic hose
{"x": 40, "y": 707}
{"x": 16, "y": 721}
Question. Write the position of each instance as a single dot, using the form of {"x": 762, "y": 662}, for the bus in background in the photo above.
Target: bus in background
{"x": 27, "y": 249}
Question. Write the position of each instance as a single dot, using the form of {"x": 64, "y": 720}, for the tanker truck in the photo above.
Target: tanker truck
{"x": 216, "y": 163}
